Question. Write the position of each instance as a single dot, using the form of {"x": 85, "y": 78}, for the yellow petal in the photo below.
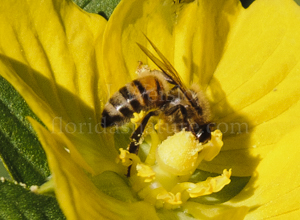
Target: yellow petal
{"x": 193, "y": 46}
{"x": 130, "y": 20}
{"x": 273, "y": 193}
{"x": 255, "y": 88}
{"x": 77, "y": 195}
{"x": 200, "y": 35}
{"x": 50, "y": 52}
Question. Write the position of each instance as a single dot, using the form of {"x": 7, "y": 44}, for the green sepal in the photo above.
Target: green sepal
{"x": 114, "y": 185}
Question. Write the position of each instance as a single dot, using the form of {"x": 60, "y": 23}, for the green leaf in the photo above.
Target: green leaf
{"x": 3, "y": 171}
{"x": 102, "y": 7}
{"x": 16, "y": 202}
{"x": 20, "y": 149}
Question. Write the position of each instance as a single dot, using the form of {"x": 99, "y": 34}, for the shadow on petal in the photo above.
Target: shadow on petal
{"x": 65, "y": 115}
{"x": 236, "y": 128}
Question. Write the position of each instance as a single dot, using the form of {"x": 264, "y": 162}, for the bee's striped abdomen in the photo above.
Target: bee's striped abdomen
{"x": 141, "y": 94}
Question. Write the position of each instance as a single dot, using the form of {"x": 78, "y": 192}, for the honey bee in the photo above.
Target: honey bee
{"x": 159, "y": 93}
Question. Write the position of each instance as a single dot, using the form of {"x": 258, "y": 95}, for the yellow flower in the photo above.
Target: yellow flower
{"x": 66, "y": 63}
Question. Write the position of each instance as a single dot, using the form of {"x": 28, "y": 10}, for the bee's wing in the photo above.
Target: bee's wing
{"x": 164, "y": 65}
{"x": 167, "y": 68}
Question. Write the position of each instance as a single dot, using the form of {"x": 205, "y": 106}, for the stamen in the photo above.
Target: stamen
{"x": 137, "y": 118}
{"x": 145, "y": 172}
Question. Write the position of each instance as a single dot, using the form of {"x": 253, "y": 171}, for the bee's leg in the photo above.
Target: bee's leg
{"x": 137, "y": 134}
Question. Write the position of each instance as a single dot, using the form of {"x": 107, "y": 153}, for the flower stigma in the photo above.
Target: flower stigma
{"x": 162, "y": 177}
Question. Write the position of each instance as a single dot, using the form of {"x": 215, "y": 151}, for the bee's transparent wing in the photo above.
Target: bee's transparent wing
{"x": 167, "y": 69}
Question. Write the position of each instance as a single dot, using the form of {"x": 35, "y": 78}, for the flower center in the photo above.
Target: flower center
{"x": 162, "y": 179}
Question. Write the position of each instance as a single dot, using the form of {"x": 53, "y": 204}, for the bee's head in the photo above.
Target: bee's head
{"x": 203, "y": 132}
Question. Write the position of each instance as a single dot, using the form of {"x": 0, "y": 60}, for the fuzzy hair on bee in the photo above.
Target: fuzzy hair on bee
{"x": 180, "y": 115}
{"x": 148, "y": 91}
